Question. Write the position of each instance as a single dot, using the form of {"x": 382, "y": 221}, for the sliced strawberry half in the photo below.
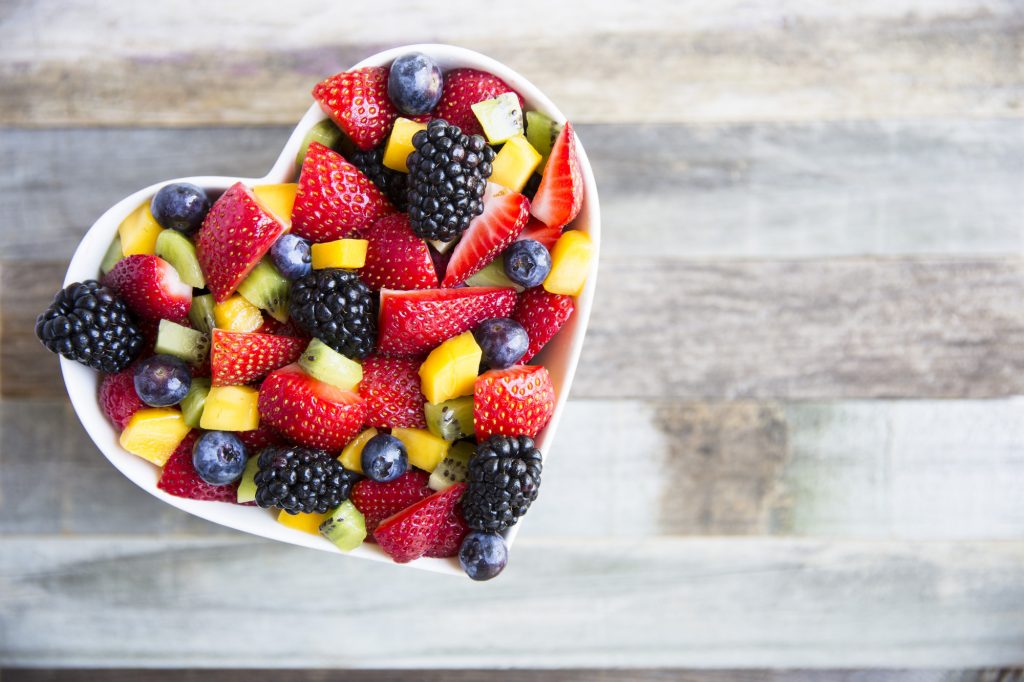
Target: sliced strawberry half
{"x": 415, "y": 322}
{"x": 542, "y": 314}
{"x": 396, "y": 258}
{"x": 462, "y": 89}
{"x": 151, "y": 288}
{"x": 517, "y": 401}
{"x": 308, "y": 411}
{"x": 504, "y": 217}
{"x": 539, "y": 232}
{"x": 391, "y": 390}
{"x": 450, "y": 537}
{"x": 378, "y": 501}
{"x": 560, "y": 196}
{"x": 238, "y": 358}
{"x": 358, "y": 102}
{"x": 118, "y": 398}
{"x": 180, "y": 478}
{"x": 410, "y": 533}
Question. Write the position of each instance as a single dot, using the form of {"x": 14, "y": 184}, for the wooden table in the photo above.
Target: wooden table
{"x": 795, "y": 439}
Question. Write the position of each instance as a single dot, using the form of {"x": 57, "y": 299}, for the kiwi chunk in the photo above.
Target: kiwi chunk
{"x": 188, "y": 344}
{"x": 324, "y": 132}
{"x": 541, "y": 133}
{"x": 452, "y": 419}
{"x": 454, "y": 468}
{"x": 345, "y": 527}
{"x": 247, "y": 484}
{"x": 325, "y": 364}
{"x": 113, "y": 254}
{"x": 493, "y": 275}
{"x": 193, "y": 403}
{"x": 176, "y": 249}
{"x": 267, "y": 289}
{"x": 201, "y": 313}
{"x": 501, "y": 117}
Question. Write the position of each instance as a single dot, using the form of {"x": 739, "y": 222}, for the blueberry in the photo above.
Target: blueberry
{"x": 219, "y": 457}
{"x": 180, "y": 207}
{"x": 527, "y": 262}
{"x": 502, "y": 340}
{"x": 483, "y": 555}
{"x": 384, "y": 458}
{"x": 414, "y": 84}
{"x": 162, "y": 380}
{"x": 292, "y": 256}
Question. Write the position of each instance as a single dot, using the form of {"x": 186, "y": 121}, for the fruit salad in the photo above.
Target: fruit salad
{"x": 359, "y": 351}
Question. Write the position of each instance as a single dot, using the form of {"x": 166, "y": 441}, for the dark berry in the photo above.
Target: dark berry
{"x": 181, "y": 206}
{"x": 502, "y": 340}
{"x": 504, "y": 478}
{"x": 292, "y": 256}
{"x": 301, "y": 480}
{"x": 219, "y": 457}
{"x": 336, "y": 307}
{"x": 483, "y": 555}
{"x": 527, "y": 262}
{"x": 414, "y": 83}
{"x": 384, "y": 458}
{"x": 162, "y": 380}
{"x": 393, "y": 183}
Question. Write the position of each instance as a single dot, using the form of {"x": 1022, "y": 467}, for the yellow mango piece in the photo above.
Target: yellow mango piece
{"x": 450, "y": 370}
{"x": 231, "y": 408}
{"x": 352, "y": 456}
{"x": 400, "y": 144}
{"x": 237, "y": 315}
{"x": 278, "y": 199}
{"x": 515, "y": 163}
{"x": 154, "y": 433}
{"x": 307, "y": 523}
{"x": 570, "y": 263}
{"x": 138, "y": 232}
{"x": 342, "y": 253}
{"x": 424, "y": 448}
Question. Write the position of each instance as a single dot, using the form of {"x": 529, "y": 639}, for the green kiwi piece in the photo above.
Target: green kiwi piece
{"x": 267, "y": 289}
{"x": 493, "y": 275}
{"x": 345, "y": 527}
{"x": 454, "y": 468}
{"x": 325, "y": 364}
{"x": 201, "y": 313}
{"x": 501, "y": 117}
{"x": 541, "y": 133}
{"x": 452, "y": 419}
{"x": 113, "y": 254}
{"x": 247, "y": 485}
{"x": 176, "y": 249}
{"x": 324, "y": 132}
{"x": 188, "y": 344}
{"x": 192, "y": 404}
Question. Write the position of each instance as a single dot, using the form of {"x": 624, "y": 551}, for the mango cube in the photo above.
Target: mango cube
{"x": 570, "y": 263}
{"x": 278, "y": 199}
{"x": 352, "y": 456}
{"x": 424, "y": 448}
{"x": 514, "y": 164}
{"x": 231, "y": 408}
{"x": 342, "y": 253}
{"x": 154, "y": 434}
{"x": 399, "y": 144}
{"x": 138, "y": 232}
{"x": 307, "y": 523}
{"x": 450, "y": 370}
{"x": 237, "y": 315}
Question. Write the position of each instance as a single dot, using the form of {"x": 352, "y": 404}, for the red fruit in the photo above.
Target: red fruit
{"x": 462, "y": 89}
{"x": 118, "y": 398}
{"x": 450, "y": 537}
{"x": 260, "y": 437}
{"x": 505, "y": 214}
{"x": 396, "y": 258}
{"x": 179, "y": 477}
{"x": 378, "y": 501}
{"x": 151, "y": 288}
{"x": 235, "y": 235}
{"x": 410, "y": 533}
{"x": 241, "y": 357}
{"x": 310, "y": 412}
{"x": 358, "y": 102}
{"x": 414, "y": 322}
{"x": 542, "y": 314}
{"x": 538, "y": 231}
{"x": 517, "y": 401}
{"x": 391, "y": 390}
{"x": 272, "y": 326}
{"x": 334, "y": 199}
{"x": 560, "y": 195}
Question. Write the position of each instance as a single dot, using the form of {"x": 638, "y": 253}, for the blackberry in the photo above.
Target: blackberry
{"x": 336, "y": 307}
{"x": 393, "y": 183}
{"x": 89, "y": 324}
{"x": 448, "y": 174}
{"x": 298, "y": 479}
{"x": 504, "y": 478}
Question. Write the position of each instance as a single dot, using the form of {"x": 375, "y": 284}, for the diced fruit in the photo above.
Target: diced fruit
{"x": 450, "y": 370}
{"x": 483, "y": 555}
{"x": 247, "y": 486}
{"x": 425, "y": 450}
{"x": 517, "y": 401}
{"x": 413, "y": 322}
{"x": 307, "y": 523}
{"x": 452, "y": 419}
{"x": 219, "y": 457}
{"x": 504, "y": 217}
{"x": 181, "y": 342}
{"x": 352, "y": 456}
{"x": 527, "y": 262}
{"x": 138, "y": 232}
{"x": 358, "y": 102}
{"x": 396, "y": 258}
{"x": 399, "y": 144}
{"x": 384, "y": 458}
{"x": 176, "y": 249}
{"x": 150, "y": 288}
{"x": 345, "y": 527}
{"x": 243, "y": 357}
{"x": 449, "y": 538}
{"x": 341, "y": 253}
{"x": 570, "y": 264}
{"x": 237, "y": 315}
{"x": 462, "y": 89}
{"x": 193, "y": 403}
{"x": 113, "y": 254}
{"x": 118, "y": 398}
{"x": 542, "y": 314}
{"x": 539, "y": 232}
{"x": 310, "y": 412}
{"x": 391, "y": 389}
{"x": 378, "y": 501}
{"x": 162, "y": 380}
{"x": 541, "y": 132}
{"x": 154, "y": 434}
{"x": 454, "y": 468}
{"x": 515, "y": 163}
{"x": 231, "y": 408}
{"x": 180, "y": 478}
{"x": 501, "y": 118}
{"x": 278, "y": 199}
{"x": 493, "y": 275}
{"x": 410, "y": 533}
{"x": 323, "y": 363}
{"x": 414, "y": 83}
{"x": 560, "y": 196}
{"x": 267, "y": 289}
{"x": 292, "y": 255}
{"x": 325, "y": 132}
{"x": 180, "y": 206}
{"x": 201, "y": 314}
{"x": 502, "y": 340}
{"x": 236, "y": 234}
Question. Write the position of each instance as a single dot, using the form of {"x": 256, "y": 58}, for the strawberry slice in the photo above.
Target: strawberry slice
{"x": 542, "y": 314}
{"x": 450, "y": 537}
{"x": 118, "y": 398}
{"x": 260, "y": 437}
{"x": 462, "y": 89}
{"x": 560, "y": 195}
{"x": 151, "y": 288}
{"x": 235, "y": 235}
{"x": 539, "y": 232}
{"x": 358, "y": 102}
{"x": 308, "y": 411}
{"x": 391, "y": 390}
{"x": 517, "y": 401}
{"x": 396, "y": 258}
{"x": 334, "y": 199}
{"x": 272, "y": 326}
{"x": 414, "y": 322}
{"x": 504, "y": 217}
{"x": 378, "y": 501}
{"x": 410, "y": 533}
{"x": 179, "y": 477}
{"x": 241, "y": 357}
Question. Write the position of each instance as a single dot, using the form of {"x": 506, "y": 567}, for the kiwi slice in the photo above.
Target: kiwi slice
{"x": 541, "y": 133}
{"x": 176, "y": 249}
{"x": 501, "y": 117}
{"x": 201, "y": 313}
{"x": 113, "y": 254}
{"x": 454, "y": 468}
{"x": 267, "y": 289}
{"x": 493, "y": 275}
{"x": 325, "y": 364}
{"x": 345, "y": 527}
{"x": 324, "y": 132}
{"x": 188, "y": 344}
{"x": 452, "y": 419}
{"x": 247, "y": 484}
{"x": 193, "y": 402}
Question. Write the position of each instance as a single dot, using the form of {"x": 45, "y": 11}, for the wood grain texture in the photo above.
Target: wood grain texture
{"x": 669, "y": 61}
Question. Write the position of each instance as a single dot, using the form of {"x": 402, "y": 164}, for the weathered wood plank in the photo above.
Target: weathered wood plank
{"x": 76, "y": 63}
{"x": 714, "y": 603}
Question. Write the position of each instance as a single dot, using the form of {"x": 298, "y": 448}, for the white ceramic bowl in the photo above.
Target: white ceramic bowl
{"x": 560, "y": 356}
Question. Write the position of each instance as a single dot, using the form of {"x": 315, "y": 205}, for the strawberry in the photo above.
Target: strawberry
{"x": 235, "y": 235}
{"x": 517, "y": 401}
{"x": 462, "y": 89}
{"x": 542, "y": 314}
{"x": 118, "y": 398}
{"x": 505, "y": 214}
{"x": 391, "y": 390}
{"x": 378, "y": 501}
{"x": 410, "y": 533}
{"x": 358, "y": 102}
{"x": 151, "y": 288}
{"x": 334, "y": 199}
{"x": 560, "y": 195}
{"x": 179, "y": 477}
{"x": 414, "y": 322}
{"x": 308, "y": 411}
{"x": 539, "y": 232}
{"x": 241, "y": 357}
{"x": 450, "y": 537}
{"x": 396, "y": 258}
{"x": 272, "y": 326}
{"x": 260, "y": 437}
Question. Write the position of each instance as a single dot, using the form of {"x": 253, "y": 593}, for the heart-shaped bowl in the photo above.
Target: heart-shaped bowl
{"x": 560, "y": 356}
